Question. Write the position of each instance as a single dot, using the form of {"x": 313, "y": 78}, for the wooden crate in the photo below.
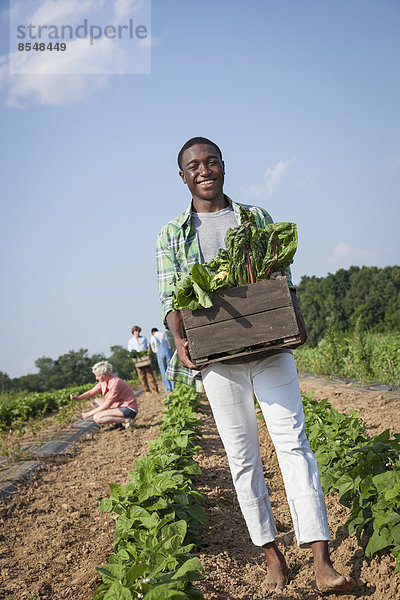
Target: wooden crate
{"x": 245, "y": 320}
{"x": 142, "y": 362}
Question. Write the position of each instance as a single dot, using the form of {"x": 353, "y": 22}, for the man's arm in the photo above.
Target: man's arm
{"x": 176, "y": 327}
{"x": 166, "y": 274}
{"x": 153, "y": 344}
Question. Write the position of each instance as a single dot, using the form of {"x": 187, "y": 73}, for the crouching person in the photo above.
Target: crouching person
{"x": 118, "y": 406}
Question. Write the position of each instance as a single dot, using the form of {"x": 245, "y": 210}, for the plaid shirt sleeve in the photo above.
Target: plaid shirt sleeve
{"x": 166, "y": 274}
{"x": 165, "y": 271}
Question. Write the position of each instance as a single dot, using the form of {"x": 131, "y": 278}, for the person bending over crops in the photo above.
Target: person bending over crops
{"x": 196, "y": 236}
{"x": 118, "y": 407}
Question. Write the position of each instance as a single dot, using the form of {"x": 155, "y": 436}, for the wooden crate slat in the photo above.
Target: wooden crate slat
{"x": 255, "y": 351}
{"x": 239, "y": 302}
{"x": 242, "y": 331}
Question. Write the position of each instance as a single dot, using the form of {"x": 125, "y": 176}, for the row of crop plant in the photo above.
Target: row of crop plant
{"x": 159, "y": 514}
{"x": 17, "y": 408}
{"x": 364, "y": 471}
{"x": 361, "y": 355}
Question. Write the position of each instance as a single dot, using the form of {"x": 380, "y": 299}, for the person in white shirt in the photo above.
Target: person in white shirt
{"x": 160, "y": 345}
{"x": 139, "y": 343}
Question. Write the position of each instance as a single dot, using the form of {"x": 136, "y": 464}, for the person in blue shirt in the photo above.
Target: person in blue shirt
{"x": 161, "y": 347}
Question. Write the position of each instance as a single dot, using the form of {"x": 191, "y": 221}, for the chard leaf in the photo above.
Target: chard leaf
{"x": 201, "y": 276}
{"x": 203, "y": 297}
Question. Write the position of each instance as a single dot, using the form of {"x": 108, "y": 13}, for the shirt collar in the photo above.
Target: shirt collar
{"x": 185, "y": 217}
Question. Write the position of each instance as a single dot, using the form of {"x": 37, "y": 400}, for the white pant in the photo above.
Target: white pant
{"x": 230, "y": 390}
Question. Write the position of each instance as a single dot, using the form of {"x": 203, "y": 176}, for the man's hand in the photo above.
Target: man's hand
{"x": 73, "y": 397}
{"x": 85, "y": 415}
{"x": 299, "y": 317}
{"x": 176, "y": 327}
{"x": 182, "y": 346}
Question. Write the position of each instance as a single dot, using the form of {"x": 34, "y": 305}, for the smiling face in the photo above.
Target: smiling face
{"x": 203, "y": 172}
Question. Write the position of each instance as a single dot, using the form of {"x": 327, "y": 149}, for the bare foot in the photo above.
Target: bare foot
{"x": 329, "y": 580}
{"x": 277, "y": 577}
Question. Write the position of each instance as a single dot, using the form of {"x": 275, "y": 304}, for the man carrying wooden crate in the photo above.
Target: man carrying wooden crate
{"x": 195, "y": 236}
{"x": 143, "y": 367}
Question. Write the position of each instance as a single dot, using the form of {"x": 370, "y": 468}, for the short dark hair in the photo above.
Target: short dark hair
{"x": 154, "y": 329}
{"x": 193, "y": 142}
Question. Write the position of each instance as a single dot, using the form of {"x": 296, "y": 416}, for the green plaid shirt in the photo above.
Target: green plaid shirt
{"x": 177, "y": 250}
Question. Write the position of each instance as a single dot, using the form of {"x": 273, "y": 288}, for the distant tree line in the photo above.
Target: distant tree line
{"x": 72, "y": 368}
{"x": 369, "y": 295}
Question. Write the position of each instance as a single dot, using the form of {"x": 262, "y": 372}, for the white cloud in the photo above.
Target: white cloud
{"x": 126, "y": 8}
{"x": 48, "y": 89}
{"x": 59, "y": 11}
{"x": 306, "y": 182}
{"x": 60, "y": 78}
{"x": 105, "y": 58}
{"x": 271, "y": 178}
{"x": 344, "y": 255}
{"x": 392, "y": 164}
{"x": 340, "y": 253}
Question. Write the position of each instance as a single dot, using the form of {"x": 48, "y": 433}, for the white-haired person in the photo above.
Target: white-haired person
{"x": 119, "y": 406}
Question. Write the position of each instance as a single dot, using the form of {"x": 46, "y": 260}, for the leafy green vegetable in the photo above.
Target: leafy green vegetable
{"x": 364, "y": 471}
{"x": 250, "y": 254}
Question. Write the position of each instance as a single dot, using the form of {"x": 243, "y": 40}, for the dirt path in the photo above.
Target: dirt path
{"x": 53, "y": 536}
{"x": 235, "y": 568}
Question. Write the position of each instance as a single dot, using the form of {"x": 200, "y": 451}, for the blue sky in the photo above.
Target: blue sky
{"x": 302, "y": 97}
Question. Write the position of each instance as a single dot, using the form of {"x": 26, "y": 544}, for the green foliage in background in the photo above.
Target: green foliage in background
{"x": 21, "y": 408}
{"x": 339, "y": 300}
{"x": 72, "y": 368}
{"x": 361, "y": 355}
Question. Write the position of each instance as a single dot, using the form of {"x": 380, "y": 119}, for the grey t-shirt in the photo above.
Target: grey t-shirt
{"x": 211, "y": 229}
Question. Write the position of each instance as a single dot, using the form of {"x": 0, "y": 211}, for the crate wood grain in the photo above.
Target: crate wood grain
{"x": 249, "y": 318}
{"x": 142, "y": 362}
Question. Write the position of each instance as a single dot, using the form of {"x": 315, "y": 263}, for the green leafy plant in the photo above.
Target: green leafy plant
{"x": 364, "y": 471}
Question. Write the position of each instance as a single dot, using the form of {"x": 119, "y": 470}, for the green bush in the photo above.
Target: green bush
{"x": 364, "y": 471}
{"x": 362, "y": 355}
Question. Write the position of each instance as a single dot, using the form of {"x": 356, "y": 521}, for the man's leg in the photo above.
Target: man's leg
{"x": 327, "y": 578}
{"x": 276, "y": 387}
{"x": 153, "y": 382}
{"x": 277, "y": 390}
{"x": 162, "y": 360}
{"x": 230, "y": 394}
{"x": 143, "y": 378}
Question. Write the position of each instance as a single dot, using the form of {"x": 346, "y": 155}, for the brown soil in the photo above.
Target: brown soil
{"x": 53, "y": 537}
